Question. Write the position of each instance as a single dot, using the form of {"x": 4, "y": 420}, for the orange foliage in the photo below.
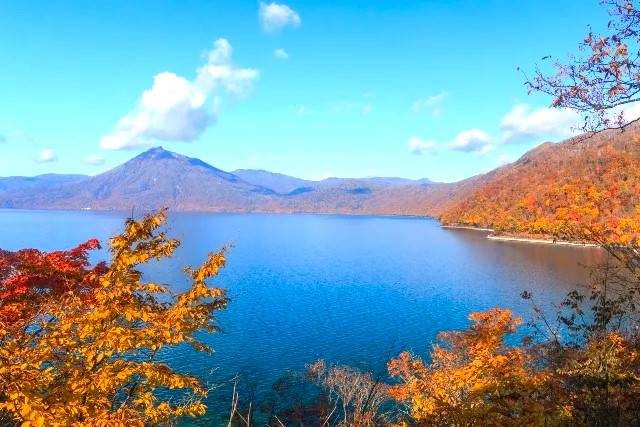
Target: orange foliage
{"x": 587, "y": 190}
{"x": 86, "y": 350}
{"x": 473, "y": 375}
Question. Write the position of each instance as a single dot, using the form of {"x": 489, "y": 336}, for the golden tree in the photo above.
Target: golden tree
{"x": 474, "y": 378}
{"x": 90, "y": 357}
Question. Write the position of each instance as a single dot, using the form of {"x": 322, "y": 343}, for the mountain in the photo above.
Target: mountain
{"x": 362, "y": 196}
{"x": 158, "y": 178}
{"x": 277, "y": 182}
{"x": 285, "y": 184}
{"x": 580, "y": 175}
{"x": 152, "y": 179}
{"x": 379, "y": 181}
{"x": 525, "y": 194}
{"x": 46, "y": 180}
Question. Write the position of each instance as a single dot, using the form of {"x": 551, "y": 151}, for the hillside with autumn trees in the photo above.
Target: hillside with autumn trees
{"x": 589, "y": 179}
{"x": 82, "y": 342}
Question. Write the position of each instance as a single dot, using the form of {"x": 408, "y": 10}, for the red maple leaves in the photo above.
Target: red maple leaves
{"x": 26, "y": 276}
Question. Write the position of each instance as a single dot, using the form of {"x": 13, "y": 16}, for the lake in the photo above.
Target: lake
{"x": 353, "y": 290}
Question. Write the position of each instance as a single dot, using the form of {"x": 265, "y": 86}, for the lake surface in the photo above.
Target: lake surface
{"x": 353, "y": 290}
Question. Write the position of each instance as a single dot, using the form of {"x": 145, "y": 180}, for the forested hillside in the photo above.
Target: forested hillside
{"x": 590, "y": 180}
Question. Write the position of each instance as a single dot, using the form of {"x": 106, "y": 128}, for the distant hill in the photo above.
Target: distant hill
{"x": 285, "y": 184}
{"x": 277, "y": 182}
{"x": 530, "y": 193}
{"x": 527, "y": 192}
{"x": 158, "y": 178}
{"x": 152, "y": 179}
{"x": 18, "y": 182}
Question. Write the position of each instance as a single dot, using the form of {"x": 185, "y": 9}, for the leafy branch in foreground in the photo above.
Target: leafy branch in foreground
{"x": 88, "y": 353}
{"x": 602, "y": 82}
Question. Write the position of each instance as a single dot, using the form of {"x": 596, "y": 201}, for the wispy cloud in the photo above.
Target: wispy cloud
{"x": 280, "y": 54}
{"x": 275, "y": 16}
{"x": 47, "y": 155}
{"x": 3, "y": 139}
{"x": 95, "y": 160}
{"x": 418, "y": 145}
{"x": 178, "y": 109}
{"x": 523, "y": 123}
{"x": 468, "y": 141}
{"x": 629, "y": 112}
{"x": 472, "y": 141}
{"x": 432, "y": 104}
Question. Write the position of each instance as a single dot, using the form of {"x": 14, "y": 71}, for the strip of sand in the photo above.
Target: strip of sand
{"x": 520, "y": 239}
{"x": 467, "y": 227}
{"x": 541, "y": 241}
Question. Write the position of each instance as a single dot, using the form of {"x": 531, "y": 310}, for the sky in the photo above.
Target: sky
{"x": 309, "y": 88}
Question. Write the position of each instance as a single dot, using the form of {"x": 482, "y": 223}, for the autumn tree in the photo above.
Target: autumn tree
{"x": 474, "y": 378}
{"x": 581, "y": 367}
{"x": 88, "y": 354}
{"x": 356, "y": 398}
{"x": 323, "y": 395}
{"x": 30, "y": 277}
{"x": 603, "y": 80}
{"x": 590, "y": 349}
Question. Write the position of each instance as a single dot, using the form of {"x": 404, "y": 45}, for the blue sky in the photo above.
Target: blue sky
{"x": 308, "y": 88}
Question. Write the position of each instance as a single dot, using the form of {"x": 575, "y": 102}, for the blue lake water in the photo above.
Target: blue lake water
{"x": 354, "y": 290}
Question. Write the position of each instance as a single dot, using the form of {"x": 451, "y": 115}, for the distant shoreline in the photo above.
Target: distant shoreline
{"x": 499, "y": 238}
{"x": 229, "y": 212}
{"x": 489, "y": 236}
{"x": 540, "y": 241}
{"x": 467, "y": 227}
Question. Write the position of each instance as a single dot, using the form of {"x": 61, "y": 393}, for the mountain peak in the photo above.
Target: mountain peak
{"x": 157, "y": 153}
{"x": 152, "y": 155}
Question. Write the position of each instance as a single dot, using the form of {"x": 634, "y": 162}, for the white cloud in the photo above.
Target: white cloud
{"x": 472, "y": 141}
{"x": 274, "y": 16}
{"x": 220, "y": 75}
{"x": 47, "y": 155}
{"x": 420, "y": 146}
{"x": 469, "y": 141}
{"x": 178, "y": 109}
{"x": 432, "y": 103}
{"x": 94, "y": 160}
{"x": 280, "y": 54}
{"x": 630, "y": 112}
{"x": 524, "y": 123}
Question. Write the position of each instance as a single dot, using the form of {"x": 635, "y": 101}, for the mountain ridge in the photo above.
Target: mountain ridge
{"x": 160, "y": 178}
{"x": 594, "y": 175}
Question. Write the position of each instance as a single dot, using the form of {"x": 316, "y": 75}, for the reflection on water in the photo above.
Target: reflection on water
{"x": 352, "y": 290}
